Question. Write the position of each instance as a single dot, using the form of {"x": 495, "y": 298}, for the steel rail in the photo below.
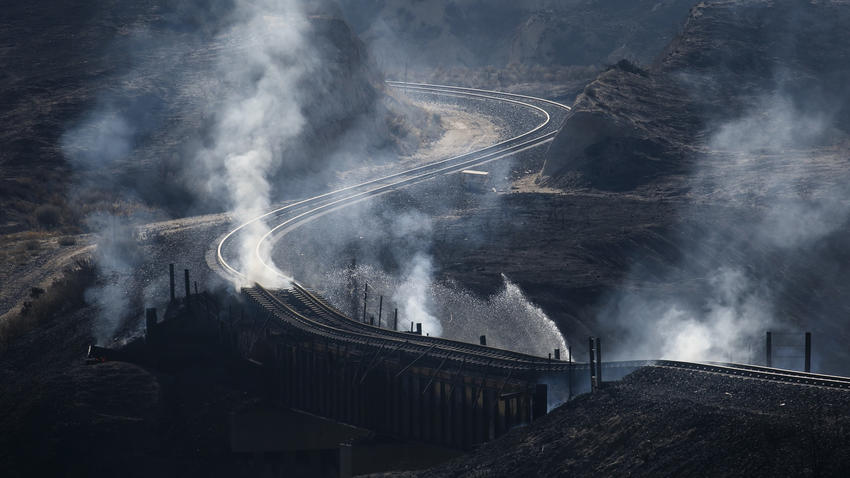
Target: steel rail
{"x": 232, "y": 271}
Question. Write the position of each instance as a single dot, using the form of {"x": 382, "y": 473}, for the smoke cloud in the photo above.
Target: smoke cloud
{"x": 258, "y": 116}
{"x": 762, "y": 196}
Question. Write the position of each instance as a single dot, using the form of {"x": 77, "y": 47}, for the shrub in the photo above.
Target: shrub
{"x": 67, "y": 241}
{"x": 64, "y": 295}
{"x": 48, "y": 215}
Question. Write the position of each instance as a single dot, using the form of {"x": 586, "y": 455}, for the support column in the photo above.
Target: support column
{"x": 540, "y": 405}
{"x": 416, "y": 404}
{"x": 490, "y": 414}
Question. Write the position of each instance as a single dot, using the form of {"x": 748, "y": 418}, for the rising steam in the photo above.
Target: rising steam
{"x": 258, "y": 116}
{"x": 765, "y": 165}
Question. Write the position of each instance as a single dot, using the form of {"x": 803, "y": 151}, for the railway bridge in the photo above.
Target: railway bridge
{"x": 404, "y": 384}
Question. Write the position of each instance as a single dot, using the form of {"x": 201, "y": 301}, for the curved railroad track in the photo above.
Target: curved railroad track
{"x": 300, "y": 308}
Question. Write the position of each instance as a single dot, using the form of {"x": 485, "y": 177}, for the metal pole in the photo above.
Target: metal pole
{"x": 808, "y": 351}
{"x": 380, "y": 309}
{"x": 395, "y": 320}
{"x": 591, "y": 364}
{"x": 768, "y": 354}
{"x": 598, "y": 361}
{"x": 482, "y": 340}
{"x": 569, "y": 373}
{"x": 365, "y": 297}
{"x": 557, "y": 354}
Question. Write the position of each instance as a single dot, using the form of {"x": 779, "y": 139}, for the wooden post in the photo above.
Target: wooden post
{"x": 808, "y": 363}
{"x": 186, "y": 280}
{"x": 365, "y": 298}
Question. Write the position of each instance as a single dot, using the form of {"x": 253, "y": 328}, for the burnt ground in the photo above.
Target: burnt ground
{"x": 666, "y": 422}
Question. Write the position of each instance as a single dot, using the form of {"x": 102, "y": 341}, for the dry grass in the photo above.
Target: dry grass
{"x": 64, "y": 295}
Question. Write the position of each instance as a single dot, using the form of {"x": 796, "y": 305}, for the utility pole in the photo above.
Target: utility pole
{"x": 808, "y": 363}
{"x": 768, "y": 352}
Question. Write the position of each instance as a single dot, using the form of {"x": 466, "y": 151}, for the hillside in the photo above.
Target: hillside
{"x": 111, "y": 103}
{"x": 551, "y": 48}
{"x": 477, "y": 33}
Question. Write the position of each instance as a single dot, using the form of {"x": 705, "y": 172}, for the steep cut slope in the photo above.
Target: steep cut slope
{"x": 587, "y": 33}
{"x": 474, "y": 33}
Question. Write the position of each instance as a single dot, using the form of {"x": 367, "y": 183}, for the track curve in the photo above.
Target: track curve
{"x": 299, "y": 307}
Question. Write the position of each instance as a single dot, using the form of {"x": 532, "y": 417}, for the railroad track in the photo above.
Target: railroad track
{"x": 309, "y": 313}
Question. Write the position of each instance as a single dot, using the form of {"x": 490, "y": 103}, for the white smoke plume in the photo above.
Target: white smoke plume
{"x": 769, "y": 162}
{"x": 116, "y": 257}
{"x": 259, "y": 114}
{"x": 413, "y": 298}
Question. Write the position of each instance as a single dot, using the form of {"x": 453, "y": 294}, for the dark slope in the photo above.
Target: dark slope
{"x": 675, "y": 423}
